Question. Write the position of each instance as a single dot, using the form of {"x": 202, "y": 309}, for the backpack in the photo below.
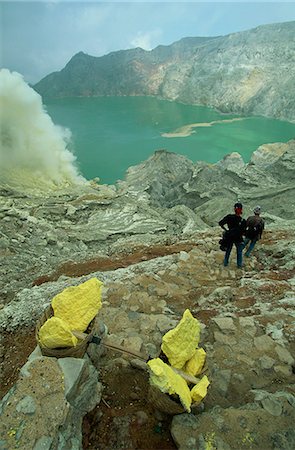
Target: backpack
{"x": 223, "y": 243}
{"x": 253, "y": 232}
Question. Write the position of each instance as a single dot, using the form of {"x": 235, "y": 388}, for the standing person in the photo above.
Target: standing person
{"x": 234, "y": 233}
{"x": 254, "y": 230}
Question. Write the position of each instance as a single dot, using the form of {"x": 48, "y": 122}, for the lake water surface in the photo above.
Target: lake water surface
{"x": 110, "y": 134}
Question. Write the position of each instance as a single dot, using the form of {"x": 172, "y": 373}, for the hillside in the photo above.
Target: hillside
{"x": 249, "y": 72}
{"x": 153, "y": 241}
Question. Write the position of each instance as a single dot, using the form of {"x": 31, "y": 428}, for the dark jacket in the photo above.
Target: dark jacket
{"x": 236, "y": 227}
{"x": 254, "y": 227}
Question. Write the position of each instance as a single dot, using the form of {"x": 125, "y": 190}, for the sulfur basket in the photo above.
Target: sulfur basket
{"x": 74, "y": 352}
{"x": 163, "y": 402}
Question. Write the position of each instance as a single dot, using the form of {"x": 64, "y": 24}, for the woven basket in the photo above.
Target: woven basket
{"x": 163, "y": 402}
{"x": 73, "y": 352}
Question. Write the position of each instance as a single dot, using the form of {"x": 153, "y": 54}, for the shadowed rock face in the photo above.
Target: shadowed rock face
{"x": 209, "y": 189}
{"x": 248, "y": 72}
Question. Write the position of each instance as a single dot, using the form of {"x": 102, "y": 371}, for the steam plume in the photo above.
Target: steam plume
{"x": 33, "y": 151}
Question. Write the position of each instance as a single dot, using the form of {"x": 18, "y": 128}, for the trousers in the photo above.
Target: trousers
{"x": 239, "y": 247}
{"x": 251, "y": 246}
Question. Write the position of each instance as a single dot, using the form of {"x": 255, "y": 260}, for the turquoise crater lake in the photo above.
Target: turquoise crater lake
{"x": 110, "y": 134}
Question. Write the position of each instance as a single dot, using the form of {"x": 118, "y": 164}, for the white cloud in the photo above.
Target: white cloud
{"x": 146, "y": 40}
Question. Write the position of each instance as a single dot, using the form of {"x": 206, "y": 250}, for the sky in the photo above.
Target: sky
{"x": 40, "y": 37}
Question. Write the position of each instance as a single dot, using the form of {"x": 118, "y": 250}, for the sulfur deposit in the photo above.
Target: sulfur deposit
{"x": 74, "y": 308}
{"x": 199, "y": 391}
{"x": 78, "y": 305}
{"x": 195, "y": 365}
{"x": 179, "y": 345}
{"x": 164, "y": 378}
{"x": 56, "y": 333}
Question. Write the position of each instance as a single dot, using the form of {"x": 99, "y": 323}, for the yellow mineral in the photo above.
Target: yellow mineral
{"x": 195, "y": 365}
{"x": 78, "y": 305}
{"x": 169, "y": 382}
{"x": 56, "y": 333}
{"x": 179, "y": 344}
{"x": 199, "y": 391}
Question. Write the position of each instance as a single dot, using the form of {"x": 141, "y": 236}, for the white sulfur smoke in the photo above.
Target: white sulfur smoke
{"x": 33, "y": 151}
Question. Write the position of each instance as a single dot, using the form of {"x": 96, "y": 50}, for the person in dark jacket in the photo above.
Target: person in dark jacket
{"x": 236, "y": 226}
{"x": 254, "y": 230}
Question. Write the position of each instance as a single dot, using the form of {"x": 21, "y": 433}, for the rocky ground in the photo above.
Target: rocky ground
{"x": 248, "y": 333}
{"x": 155, "y": 262}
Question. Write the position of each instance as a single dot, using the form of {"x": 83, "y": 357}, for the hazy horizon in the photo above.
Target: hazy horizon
{"x": 40, "y": 37}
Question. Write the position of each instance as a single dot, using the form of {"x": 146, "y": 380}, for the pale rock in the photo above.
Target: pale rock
{"x": 284, "y": 371}
{"x": 72, "y": 369}
{"x": 284, "y": 355}
{"x": 224, "y": 339}
{"x": 161, "y": 291}
{"x": 113, "y": 340}
{"x": 247, "y": 322}
{"x": 267, "y": 154}
{"x": 183, "y": 256}
{"x": 232, "y": 161}
{"x": 238, "y": 377}
{"x": 266, "y": 362}
{"x": 264, "y": 343}
{"x": 246, "y": 360}
{"x": 152, "y": 350}
{"x": 165, "y": 324}
{"x": 276, "y": 331}
{"x": 223, "y": 293}
{"x": 162, "y": 303}
{"x": 133, "y": 344}
{"x": 36, "y": 353}
{"x": 222, "y": 379}
{"x": 225, "y": 324}
{"x": 138, "y": 364}
{"x": 117, "y": 363}
{"x": 4, "y": 242}
{"x": 27, "y": 405}
{"x": 95, "y": 353}
{"x": 271, "y": 405}
{"x": 71, "y": 210}
{"x": 134, "y": 308}
{"x": 44, "y": 443}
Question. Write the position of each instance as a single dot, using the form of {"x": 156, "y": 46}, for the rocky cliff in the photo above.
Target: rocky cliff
{"x": 249, "y": 72}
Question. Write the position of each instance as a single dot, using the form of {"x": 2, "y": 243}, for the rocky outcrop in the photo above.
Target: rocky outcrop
{"x": 168, "y": 180}
{"x": 44, "y": 410}
{"x": 165, "y": 199}
{"x": 249, "y": 72}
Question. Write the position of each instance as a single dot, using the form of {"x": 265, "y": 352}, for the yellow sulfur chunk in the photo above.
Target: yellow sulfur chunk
{"x": 56, "y": 333}
{"x": 169, "y": 382}
{"x": 199, "y": 391}
{"x": 195, "y": 365}
{"x": 180, "y": 344}
{"x": 78, "y": 305}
